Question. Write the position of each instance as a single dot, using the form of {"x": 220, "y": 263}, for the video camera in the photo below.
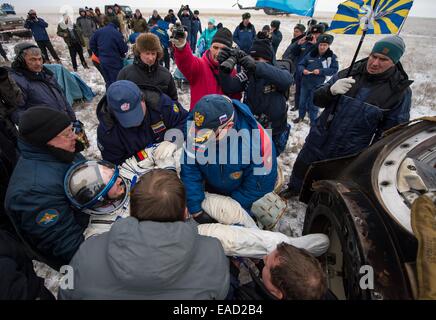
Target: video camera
{"x": 178, "y": 31}
{"x": 229, "y": 64}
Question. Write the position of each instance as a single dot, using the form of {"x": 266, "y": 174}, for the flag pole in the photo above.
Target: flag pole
{"x": 356, "y": 54}
{"x": 362, "y": 38}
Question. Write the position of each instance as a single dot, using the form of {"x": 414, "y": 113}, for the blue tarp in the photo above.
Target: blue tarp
{"x": 299, "y": 7}
{"x": 72, "y": 85}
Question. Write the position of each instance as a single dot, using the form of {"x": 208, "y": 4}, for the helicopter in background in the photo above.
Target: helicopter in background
{"x": 267, "y": 10}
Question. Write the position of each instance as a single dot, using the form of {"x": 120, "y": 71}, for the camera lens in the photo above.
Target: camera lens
{"x": 228, "y": 65}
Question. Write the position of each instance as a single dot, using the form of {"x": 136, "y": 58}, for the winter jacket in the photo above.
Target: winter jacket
{"x": 121, "y": 20}
{"x": 264, "y": 93}
{"x": 244, "y": 36}
{"x": 70, "y": 36}
{"x": 150, "y": 260}
{"x": 8, "y": 160}
{"x": 327, "y": 64}
{"x": 138, "y": 24}
{"x": 39, "y": 89}
{"x": 153, "y": 20}
{"x": 186, "y": 21}
{"x": 196, "y": 26}
{"x": 171, "y": 18}
{"x": 160, "y": 30}
{"x": 374, "y": 104}
{"x": 38, "y": 28}
{"x": 276, "y": 38}
{"x": 296, "y": 52}
{"x": 155, "y": 75}
{"x": 207, "y": 35}
{"x": 242, "y": 180}
{"x": 111, "y": 18}
{"x": 87, "y": 25}
{"x": 37, "y": 203}
{"x": 108, "y": 45}
{"x": 18, "y": 280}
{"x": 202, "y": 74}
{"x": 11, "y": 96}
{"x": 117, "y": 143}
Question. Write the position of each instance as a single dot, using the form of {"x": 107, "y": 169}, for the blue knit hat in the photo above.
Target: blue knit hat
{"x": 390, "y": 46}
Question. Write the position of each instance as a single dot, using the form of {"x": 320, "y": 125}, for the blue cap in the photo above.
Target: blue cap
{"x": 211, "y": 112}
{"x": 124, "y": 99}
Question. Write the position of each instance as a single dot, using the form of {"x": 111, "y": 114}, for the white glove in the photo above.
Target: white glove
{"x": 164, "y": 150}
{"x": 256, "y": 243}
{"x": 168, "y": 163}
{"x": 226, "y": 210}
{"x": 342, "y": 86}
{"x": 131, "y": 167}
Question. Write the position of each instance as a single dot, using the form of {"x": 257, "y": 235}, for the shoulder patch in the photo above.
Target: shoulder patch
{"x": 176, "y": 108}
{"x": 47, "y": 217}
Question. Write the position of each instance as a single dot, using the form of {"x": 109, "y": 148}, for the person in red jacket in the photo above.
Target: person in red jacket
{"x": 202, "y": 73}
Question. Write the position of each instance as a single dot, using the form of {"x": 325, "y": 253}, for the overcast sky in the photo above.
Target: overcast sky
{"x": 421, "y": 8}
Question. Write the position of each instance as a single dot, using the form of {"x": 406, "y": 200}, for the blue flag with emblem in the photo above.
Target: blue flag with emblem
{"x": 386, "y": 17}
{"x": 298, "y": 7}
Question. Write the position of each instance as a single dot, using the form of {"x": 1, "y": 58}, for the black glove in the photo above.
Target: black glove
{"x": 204, "y": 218}
{"x": 248, "y": 63}
{"x": 224, "y": 54}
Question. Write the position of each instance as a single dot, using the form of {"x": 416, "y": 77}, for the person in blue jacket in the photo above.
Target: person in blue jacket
{"x": 319, "y": 64}
{"x": 35, "y": 200}
{"x": 37, "y": 83}
{"x": 195, "y": 29}
{"x": 160, "y": 30}
{"x": 296, "y": 52}
{"x": 276, "y": 35}
{"x": 131, "y": 120}
{"x": 244, "y": 33}
{"x": 266, "y": 85}
{"x": 108, "y": 45}
{"x": 245, "y": 169}
{"x": 374, "y": 98}
{"x": 38, "y": 26}
{"x": 185, "y": 16}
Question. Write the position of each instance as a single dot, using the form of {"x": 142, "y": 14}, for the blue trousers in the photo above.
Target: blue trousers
{"x": 280, "y": 140}
{"x": 193, "y": 42}
{"x": 110, "y": 72}
{"x": 307, "y": 106}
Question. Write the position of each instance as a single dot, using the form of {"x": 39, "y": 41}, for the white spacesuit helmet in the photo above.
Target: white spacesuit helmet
{"x": 96, "y": 188}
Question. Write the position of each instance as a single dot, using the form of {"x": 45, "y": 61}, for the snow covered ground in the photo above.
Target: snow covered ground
{"x": 418, "y": 61}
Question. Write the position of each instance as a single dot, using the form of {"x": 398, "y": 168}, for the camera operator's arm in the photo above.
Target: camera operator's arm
{"x": 233, "y": 84}
{"x": 41, "y": 22}
{"x": 278, "y": 76}
{"x": 188, "y": 64}
{"x": 28, "y": 22}
{"x": 179, "y": 14}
